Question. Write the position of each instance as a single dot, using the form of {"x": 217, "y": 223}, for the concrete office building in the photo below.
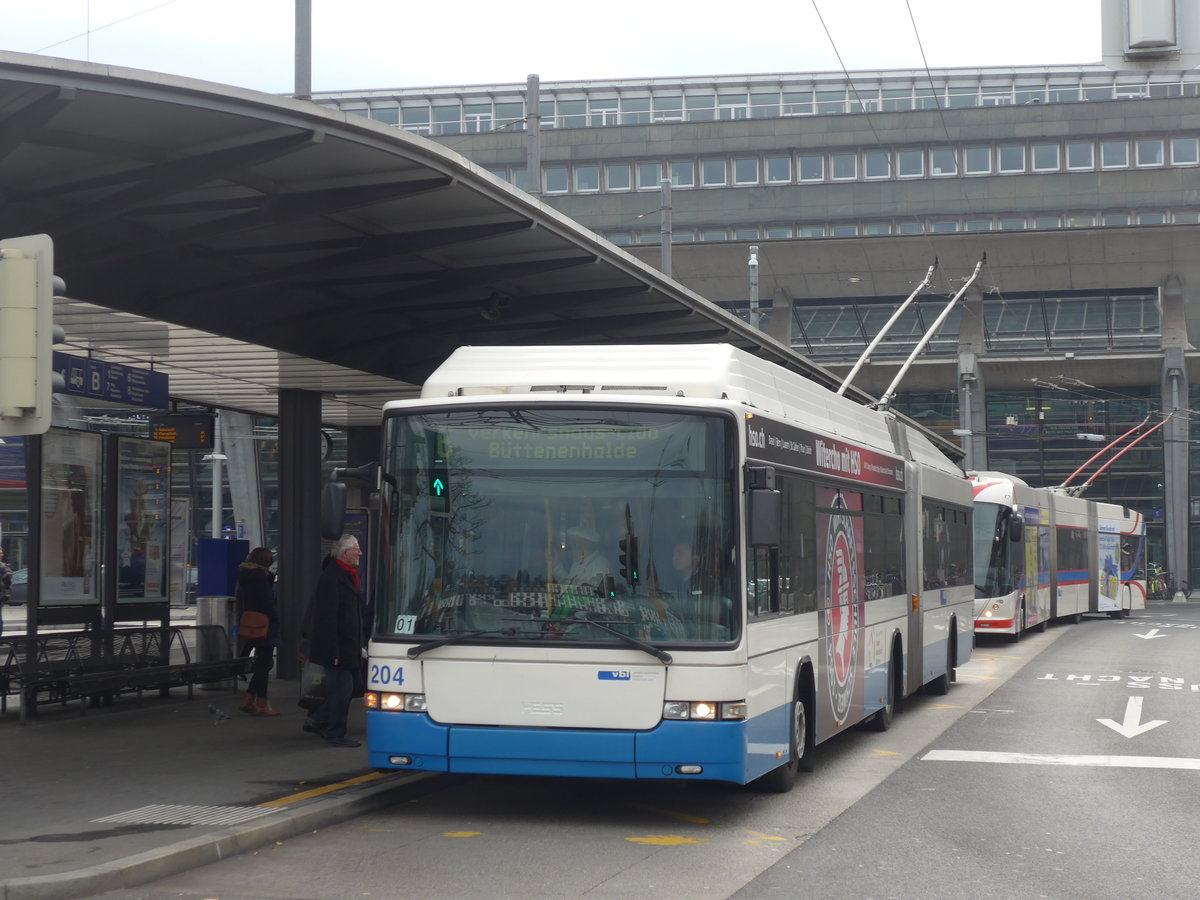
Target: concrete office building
{"x": 1078, "y": 187}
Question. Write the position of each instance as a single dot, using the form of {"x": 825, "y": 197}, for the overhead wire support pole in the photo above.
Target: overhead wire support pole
{"x": 866, "y": 354}
{"x": 885, "y": 401}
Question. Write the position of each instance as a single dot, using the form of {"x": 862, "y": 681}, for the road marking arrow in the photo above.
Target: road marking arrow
{"x": 1150, "y": 635}
{"x": 1133, "y": 725}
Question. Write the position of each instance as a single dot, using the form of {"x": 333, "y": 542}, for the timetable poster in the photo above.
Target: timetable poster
{"x": 144, "y": 504}
{"x": 70, "y": 517}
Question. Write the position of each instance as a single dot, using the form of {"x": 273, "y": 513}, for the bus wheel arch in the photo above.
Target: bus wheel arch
{"x": 940, "y": 685}
{"x": 802, "y": 732}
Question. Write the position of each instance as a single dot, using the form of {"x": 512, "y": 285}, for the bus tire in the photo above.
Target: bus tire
{"x": 782, "y": 779}
{"x": 882, "y": 719}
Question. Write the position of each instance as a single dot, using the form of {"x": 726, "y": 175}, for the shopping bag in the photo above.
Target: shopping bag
{"x": 312, "y": 685}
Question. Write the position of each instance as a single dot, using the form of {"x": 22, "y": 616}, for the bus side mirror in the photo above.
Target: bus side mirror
{"x": 333, "y": 510}
{"x": 1016, "y": 525}
{"x": 764, "y": 517}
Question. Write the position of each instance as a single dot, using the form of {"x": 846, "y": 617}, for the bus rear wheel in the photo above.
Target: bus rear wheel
{"x": 940, "y": 686}
{"x": 882, "y": 720}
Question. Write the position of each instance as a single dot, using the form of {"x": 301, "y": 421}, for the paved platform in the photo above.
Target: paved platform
{"x": 128, "y": 794}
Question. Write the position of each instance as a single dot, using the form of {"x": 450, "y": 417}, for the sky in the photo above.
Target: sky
{"x": 361, "y": 44}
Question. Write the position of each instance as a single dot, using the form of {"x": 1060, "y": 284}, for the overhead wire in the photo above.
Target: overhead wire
{"x": 90, "y": 31}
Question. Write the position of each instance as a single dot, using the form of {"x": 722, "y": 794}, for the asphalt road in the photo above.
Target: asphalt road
{"x": 534, "y": 838}
{"x": 1076, "y": 779}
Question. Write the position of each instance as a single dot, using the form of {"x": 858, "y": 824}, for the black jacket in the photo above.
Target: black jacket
{"x": 256, "y": 591}
{"x": 337, "y": 620}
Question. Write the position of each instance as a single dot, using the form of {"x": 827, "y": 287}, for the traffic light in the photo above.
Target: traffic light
{"x": 27, "y": 334}
{"x": 629, "y": 558}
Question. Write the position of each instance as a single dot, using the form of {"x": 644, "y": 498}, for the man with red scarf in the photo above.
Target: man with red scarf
{"x": 335, "y": 640}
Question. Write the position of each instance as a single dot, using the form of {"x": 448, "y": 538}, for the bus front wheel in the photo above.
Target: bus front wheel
{"x": 783, "y": 779}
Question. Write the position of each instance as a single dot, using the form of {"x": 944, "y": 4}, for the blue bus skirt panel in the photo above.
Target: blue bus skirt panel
{"x": 725, "y": 751}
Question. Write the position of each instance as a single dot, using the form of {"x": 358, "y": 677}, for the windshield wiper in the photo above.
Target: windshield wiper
{"x": 414, "y": 652}
{"x": 658, "y": 653}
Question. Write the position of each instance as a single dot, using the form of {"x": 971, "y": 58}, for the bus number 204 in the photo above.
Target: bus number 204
{"x": 386, "y": 675}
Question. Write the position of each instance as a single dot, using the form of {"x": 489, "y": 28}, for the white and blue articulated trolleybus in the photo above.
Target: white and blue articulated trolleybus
{"x": 653, "y": 562}
{"x": 1042, "y": 554}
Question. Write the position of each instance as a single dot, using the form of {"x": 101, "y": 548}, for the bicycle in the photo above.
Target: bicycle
{"x": 1161, "y": 586}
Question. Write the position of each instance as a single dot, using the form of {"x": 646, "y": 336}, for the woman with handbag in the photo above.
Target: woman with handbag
{"x": 258, "y": 626}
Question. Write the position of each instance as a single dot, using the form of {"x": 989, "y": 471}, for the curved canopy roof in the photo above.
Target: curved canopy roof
{"x": 245, "y": 243}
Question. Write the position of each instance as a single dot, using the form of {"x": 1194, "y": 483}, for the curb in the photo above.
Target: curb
{"x": 172, "y": 859}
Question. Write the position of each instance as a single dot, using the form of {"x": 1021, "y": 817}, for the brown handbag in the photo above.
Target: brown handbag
{"x": 253, "y": 626}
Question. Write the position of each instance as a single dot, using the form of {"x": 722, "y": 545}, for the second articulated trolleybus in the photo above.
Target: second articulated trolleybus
{"x": 653, "y": 562}
{"x": 1041, "y": 554}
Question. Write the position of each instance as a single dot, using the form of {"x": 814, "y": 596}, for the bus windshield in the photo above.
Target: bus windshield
{"x": 994, "y": 575}
{"x": 558, "y": 524}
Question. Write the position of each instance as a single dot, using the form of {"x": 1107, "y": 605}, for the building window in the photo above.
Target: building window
{"x": 910, "y": 163}
{"x": 977, "y": 160}
{"x": 1114, "y": 154}
{"x": 649, "y": 175}
{"x": 1012, "y": 158}
{"x": 1152, "y": 218}
{"x": 712, "y": 172}
{"x": 812, "y": 167}
{"x": 683, "y": 173}
{"x": 1116, "y": 219}
{"x": 1081, "y": 220}
{"x": 571, "y": 113}
{"x": 1149, "y": 151}
{"x": 520, "y": 177}
{"x": 1045, "y": 157}
{"x": 745, "y": 234}
{"x": 978, "y": 225}
{"x": 617, "y": 176}
{"x": 447, "y": 119}
{"x": 877, "y": 228}
{"x": 388, "y": 115}
{"x": 1012, "y": 223}
{"x": 668, "y": 108}
{"x": 943, "y": 161}
{"x": 944, "y": 227}
{"x": 797, "y": 103}
{"x": 682, "y": 237}
{"x": 620, "y": 238}
{"x": 810, "y": 231}
{"x": 714, "y": 234}
{"x": 779, "y": 169}
{"x": 415, "y": 119}
{"x": 843, "y": 166}
{"x": 699, "y": 107}
{"x": 635, "y": 110}
{"x": 877, "y": 164}
{"x": 843, "y": 231}
{"x": 1046, "y": 222}
{"x": 1081, "y": 155}
{"x": 1184, "y": 152}
{"x": 601, "y": 112}
{"x": 778, "y": 232}
{"x": 587, "y": 179}
{"x": 554, "y": 179}
{"x": 745, "y": 170}
{"x": 509, "y": 113}
{"x": 1186, "y": 218}
{"x": 916, "y": 227}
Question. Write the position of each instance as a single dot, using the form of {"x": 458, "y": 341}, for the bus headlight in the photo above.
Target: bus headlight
{"x": 703, "y": 710}
{"x": 395, "y": 702}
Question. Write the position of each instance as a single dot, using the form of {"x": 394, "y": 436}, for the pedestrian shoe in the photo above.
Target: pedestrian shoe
{"x": 342, "y": 742}
{"x": 311, "y": 728}
{"x": 247, "y": 705}
{"x": 263, "y": 707}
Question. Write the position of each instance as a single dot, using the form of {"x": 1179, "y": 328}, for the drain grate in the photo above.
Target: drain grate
{"x": 168, "y": 814}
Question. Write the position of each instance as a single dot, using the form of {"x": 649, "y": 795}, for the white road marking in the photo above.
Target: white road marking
{"x": 1133, "y": 724}
{"x": 1062, "y": 759}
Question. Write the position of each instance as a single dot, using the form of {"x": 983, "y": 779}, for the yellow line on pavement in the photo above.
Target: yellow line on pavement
{"x": 327, "y": 789}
